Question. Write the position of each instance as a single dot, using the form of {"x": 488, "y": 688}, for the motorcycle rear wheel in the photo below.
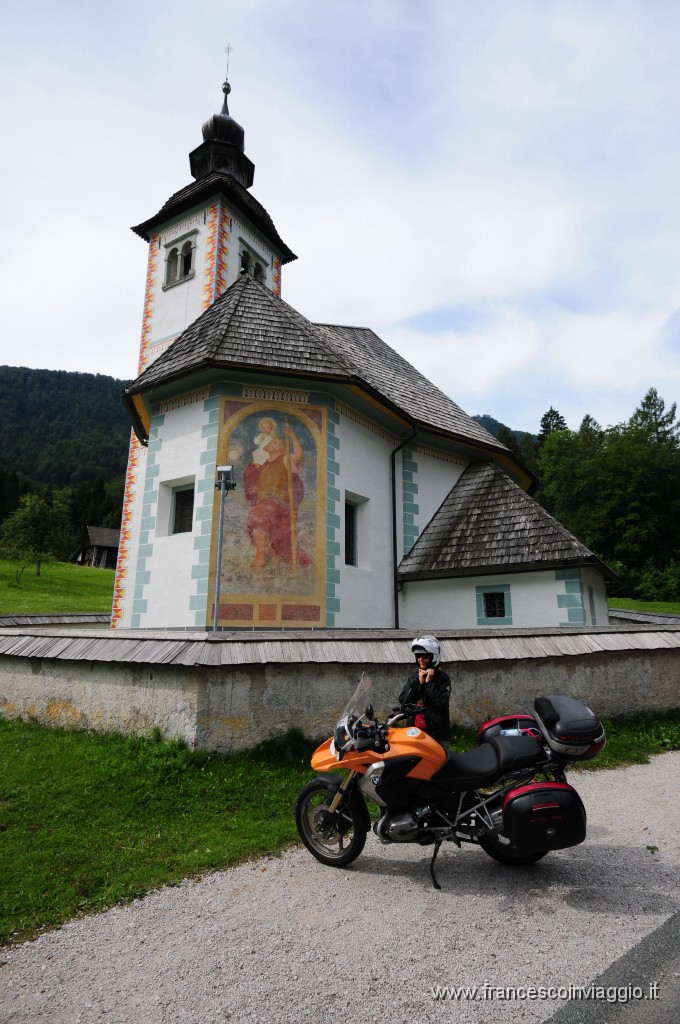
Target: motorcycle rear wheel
{"x": 335, "y": 839}
{"x": 507, "y": 853}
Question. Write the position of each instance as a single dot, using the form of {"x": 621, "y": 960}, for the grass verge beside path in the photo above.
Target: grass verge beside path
{"x": 89, "y": 820}
{"x": 630, "y": 604}
{"x": 61, "y": 587}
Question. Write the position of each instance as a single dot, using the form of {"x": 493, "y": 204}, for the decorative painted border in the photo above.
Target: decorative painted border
{"x": 409, "y": 490}
{"x": 275, "y": 394}
{"x": 148, "y": 522}
{"x": 120, "y": 582}
{"x": 356, "y": 417}
{"x": 276, "y": 276}
{"x": 435, "y": 453}
{"x": 149, "y": 295}
{"x": 203, "y": 512}
{"x": 572, "y": 598}
{"x": 125, "y": 532}
{"x": 216, "y": 254}
{"x": 333, "y": 522}
{"x": 191, "y": 398}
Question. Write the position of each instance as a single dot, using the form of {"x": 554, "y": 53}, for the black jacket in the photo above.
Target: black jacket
{"x": 435, "y": 697}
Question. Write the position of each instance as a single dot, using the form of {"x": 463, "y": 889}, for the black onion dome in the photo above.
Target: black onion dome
{"x": 222, "y": 127}
{"x": 222, "y": 150}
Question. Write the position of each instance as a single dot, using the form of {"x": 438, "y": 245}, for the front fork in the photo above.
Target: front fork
{"x": 344, "y": 786}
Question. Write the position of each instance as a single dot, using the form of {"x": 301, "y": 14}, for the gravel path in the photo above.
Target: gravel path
{"x": 289, "y": 940}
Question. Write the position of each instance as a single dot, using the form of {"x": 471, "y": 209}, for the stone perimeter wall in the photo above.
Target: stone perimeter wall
{"x": 228, "y": 709}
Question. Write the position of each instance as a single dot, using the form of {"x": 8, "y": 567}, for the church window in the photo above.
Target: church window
{"x": 494, "y": 607}
{"x": 356, "y": 509}
{"x": 185, "y": 262}
{"x": 252, "y": 262}
{"x": 171, "y": 267}
{"x": 180, "y": 259}
{"x": 183, "y": 512}
{"x": 350, "y": 533}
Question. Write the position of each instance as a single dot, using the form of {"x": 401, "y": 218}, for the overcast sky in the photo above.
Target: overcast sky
{"x": 491, "y": 185}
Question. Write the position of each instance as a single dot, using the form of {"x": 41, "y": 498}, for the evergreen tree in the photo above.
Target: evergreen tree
{"x": 551, "y": 421}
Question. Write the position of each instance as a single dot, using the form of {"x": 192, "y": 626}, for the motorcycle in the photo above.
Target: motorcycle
{"x": 509, "y": 795}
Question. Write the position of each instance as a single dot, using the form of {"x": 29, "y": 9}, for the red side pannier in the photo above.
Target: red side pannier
{"x": 544, "y": 816}
{"x": 509, "y": 725}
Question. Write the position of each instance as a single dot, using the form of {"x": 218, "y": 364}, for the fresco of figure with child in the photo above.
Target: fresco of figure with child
{"x": 274, "y": 535}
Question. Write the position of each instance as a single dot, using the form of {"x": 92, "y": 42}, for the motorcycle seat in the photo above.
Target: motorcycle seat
{"x": 478, "y": 767}
{"x": 516, "y": 752}
{"x": 489, "y": 762}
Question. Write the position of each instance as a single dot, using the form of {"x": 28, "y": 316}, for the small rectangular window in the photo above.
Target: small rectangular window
{"x": 183, "y": 520}
{"x": 350, "y": 533}
{"x": 494, "y": 606}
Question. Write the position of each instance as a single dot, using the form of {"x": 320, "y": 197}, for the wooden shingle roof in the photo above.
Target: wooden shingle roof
{"x": 487, "y": 523}
{"x": 250, "y": 326}
{"x": 215, "y": 185}
{"x": 103, "y": 536}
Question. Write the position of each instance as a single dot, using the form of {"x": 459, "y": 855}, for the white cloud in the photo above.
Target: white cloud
{"x": 519, "y": 160}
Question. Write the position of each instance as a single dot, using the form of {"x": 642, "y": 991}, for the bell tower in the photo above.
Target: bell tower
{"x": 205, "y": 235}
{"x": 201, "y": 239}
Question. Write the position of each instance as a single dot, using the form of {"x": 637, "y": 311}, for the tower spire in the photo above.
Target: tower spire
{"x": 222, "y": 150}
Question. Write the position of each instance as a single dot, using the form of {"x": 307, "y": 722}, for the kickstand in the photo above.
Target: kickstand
{"x": 434, "y": 857}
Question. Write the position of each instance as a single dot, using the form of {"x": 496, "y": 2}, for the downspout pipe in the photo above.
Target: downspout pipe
{"x": 393, "y": 465}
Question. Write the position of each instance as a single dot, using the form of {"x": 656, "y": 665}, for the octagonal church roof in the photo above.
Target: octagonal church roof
{"x": 249, "y": 327}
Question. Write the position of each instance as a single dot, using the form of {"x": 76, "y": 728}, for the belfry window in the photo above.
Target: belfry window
{"x": 171, "y": 267}
{"x": 185, "y": 262}
{"x": 180, "y": 259}
{"x": 251, "y": 262}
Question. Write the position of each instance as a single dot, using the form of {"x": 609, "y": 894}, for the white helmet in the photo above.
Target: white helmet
{"x": 427, "y": 645}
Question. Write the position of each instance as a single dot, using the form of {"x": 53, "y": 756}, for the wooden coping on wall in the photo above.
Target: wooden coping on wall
{"x": 360, "y": 647}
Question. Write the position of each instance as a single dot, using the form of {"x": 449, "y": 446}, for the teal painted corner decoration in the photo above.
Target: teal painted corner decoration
{"x": 571, "y": 600}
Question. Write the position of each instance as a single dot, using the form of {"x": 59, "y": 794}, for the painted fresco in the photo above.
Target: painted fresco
{"x": 274, "y": 536}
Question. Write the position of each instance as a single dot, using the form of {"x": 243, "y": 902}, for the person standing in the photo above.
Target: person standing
{"x": 429, "y": 688}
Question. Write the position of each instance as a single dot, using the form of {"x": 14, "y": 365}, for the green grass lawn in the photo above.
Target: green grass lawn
{"x": 61, "y": 587}
{"x": 632, "y": 604}
{"x": 90, "y": 820}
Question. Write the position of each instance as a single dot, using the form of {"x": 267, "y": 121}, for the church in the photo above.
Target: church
{"x": 363, "y": 496}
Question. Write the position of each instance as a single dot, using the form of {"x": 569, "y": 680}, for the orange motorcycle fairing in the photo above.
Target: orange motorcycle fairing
{"x": 411, "y": 742}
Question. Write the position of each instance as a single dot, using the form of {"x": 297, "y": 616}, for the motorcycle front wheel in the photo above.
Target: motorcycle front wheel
{"x": 336, "y": 839}
{"x": 506, "y": 852}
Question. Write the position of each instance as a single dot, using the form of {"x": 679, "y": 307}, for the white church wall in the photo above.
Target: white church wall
{"x": 177, "y": 306}
{"x": 165, "y": 567}
{"x": 242, "y": 237}
{"x": 595, "y": 597}
{"x": 553, "y": 597}
{"x": 364, "y": 590}
{"x": 433, "y": 475}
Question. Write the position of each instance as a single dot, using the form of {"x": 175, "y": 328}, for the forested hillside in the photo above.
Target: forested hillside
{"x": 63, "y": 436}
{"x": 62, "y": 428}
